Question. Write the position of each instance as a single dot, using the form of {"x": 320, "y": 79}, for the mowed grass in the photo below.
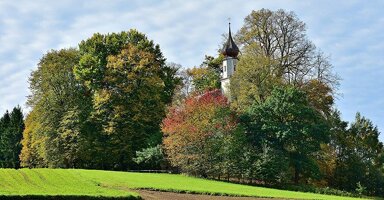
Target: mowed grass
{"x": 121, "y": 184}
{"x": 53, "y": 182}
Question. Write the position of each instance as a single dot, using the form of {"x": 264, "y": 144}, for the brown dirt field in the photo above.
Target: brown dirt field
{"x": 152, "y": 195}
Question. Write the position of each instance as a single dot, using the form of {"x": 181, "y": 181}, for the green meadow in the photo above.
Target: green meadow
{"x": 122, "y": 185}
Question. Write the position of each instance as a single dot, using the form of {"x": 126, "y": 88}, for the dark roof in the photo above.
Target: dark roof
{"x": 230, "y": 48}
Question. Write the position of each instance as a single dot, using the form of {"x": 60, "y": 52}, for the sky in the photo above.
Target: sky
{"x": 350, "y": 32}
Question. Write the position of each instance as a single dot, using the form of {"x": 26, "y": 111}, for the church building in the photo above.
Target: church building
{"x": 230, "y": 52}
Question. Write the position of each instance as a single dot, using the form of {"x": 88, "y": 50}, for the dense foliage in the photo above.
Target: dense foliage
{"x": 59, "y": 107}
{"x": 113, "y": 103}
{"x": 358, "y": 156}
{"x": 275, "y": 51}
{"x": 11, "y": 130}
{"x": 197, "y": 134}
{"x": 96, "y": 106}
{"x": 287, "y": 125}
{"x": 283, "y": 90}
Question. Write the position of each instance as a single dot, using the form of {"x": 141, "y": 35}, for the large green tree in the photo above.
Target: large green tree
{"x": 96, "y": 50}
{"x": 56, "y": 95}
{"x": 286, "y": 123}
{"x": 130, "y": 86}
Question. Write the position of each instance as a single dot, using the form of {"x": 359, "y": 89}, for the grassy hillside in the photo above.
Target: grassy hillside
{"x": 53, "y": 182}
{"x": 119, "y": 184}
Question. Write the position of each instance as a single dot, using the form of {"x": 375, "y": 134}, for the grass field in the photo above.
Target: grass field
{"x": 120, "y": 184}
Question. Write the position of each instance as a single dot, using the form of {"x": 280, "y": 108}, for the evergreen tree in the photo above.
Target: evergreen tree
{"x": 4, "y": 133}
{"x": 11, "y": 130}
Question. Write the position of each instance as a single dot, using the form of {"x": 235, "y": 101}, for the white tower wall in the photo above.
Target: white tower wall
{"x": 229, "y": 67}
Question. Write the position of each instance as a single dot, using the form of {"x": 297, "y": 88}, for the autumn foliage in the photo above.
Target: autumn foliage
{"x": 193, "y": 132}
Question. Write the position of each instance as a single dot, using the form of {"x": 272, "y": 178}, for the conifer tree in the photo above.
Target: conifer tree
{"x": 11, "y": 129}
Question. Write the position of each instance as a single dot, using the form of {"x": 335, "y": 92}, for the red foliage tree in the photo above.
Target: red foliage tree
{"x": 194, "y": 132}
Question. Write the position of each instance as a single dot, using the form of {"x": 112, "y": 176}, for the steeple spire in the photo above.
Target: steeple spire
{"x": 229, "y": 27}
{"x": 230, "y": 49}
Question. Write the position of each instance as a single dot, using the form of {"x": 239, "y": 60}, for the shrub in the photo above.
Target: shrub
{"x": 150, "y": 158}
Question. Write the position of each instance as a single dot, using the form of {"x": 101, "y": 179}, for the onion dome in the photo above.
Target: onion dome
{"x": 230, "y": 49}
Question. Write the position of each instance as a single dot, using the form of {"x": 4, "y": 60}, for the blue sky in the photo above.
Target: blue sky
{"x": 350, "y": 32}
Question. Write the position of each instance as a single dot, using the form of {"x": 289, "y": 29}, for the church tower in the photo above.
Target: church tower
{"x": 230, "y": 52}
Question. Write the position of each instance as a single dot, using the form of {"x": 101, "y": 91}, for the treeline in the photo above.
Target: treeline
{"x": 281, "y": 142}
{"x": 113, "y": 103}
{"x": 281, "y": 127}
{"x": 11, "y": 131}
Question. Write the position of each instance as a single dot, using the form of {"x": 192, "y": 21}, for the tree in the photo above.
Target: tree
{"x": 56, "y": 94}
{"x": 131, "y": 108}
{"x": 204, "y": 78}
{"x": 207, "y": 76}
{"x": 33, "y": 151}
{"x": 286, "y": 122}
{"x": 184, "y": 89}
{"x": 319, "y": 96}
{"x": 11, "y": 129}
{"x": 194, "y": 133}
{"x": 253, "y": 81}
{"x": 96, "y": 50}
{"x": 270, "y": 165}
{"x": 276, "y": 50}
{"x": 214, "y": 63}
{"x": 281, "y": 36}
{"x": 71, "y": 138}
{"x": 4, "y": 133}
{"x": 130, "y": 86}
{"x": 358, "y": 155}
{"x": 16, "y": 128}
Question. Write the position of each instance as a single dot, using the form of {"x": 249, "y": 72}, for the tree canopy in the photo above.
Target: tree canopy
{"x": 276, "y": 50}
{"x": 286, "y": 122}
{"x": 96, "y": 106}
{"x": 195, "y": 133}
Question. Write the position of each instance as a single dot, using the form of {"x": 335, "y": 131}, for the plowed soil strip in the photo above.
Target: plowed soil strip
{"x": 152, "y": 195}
